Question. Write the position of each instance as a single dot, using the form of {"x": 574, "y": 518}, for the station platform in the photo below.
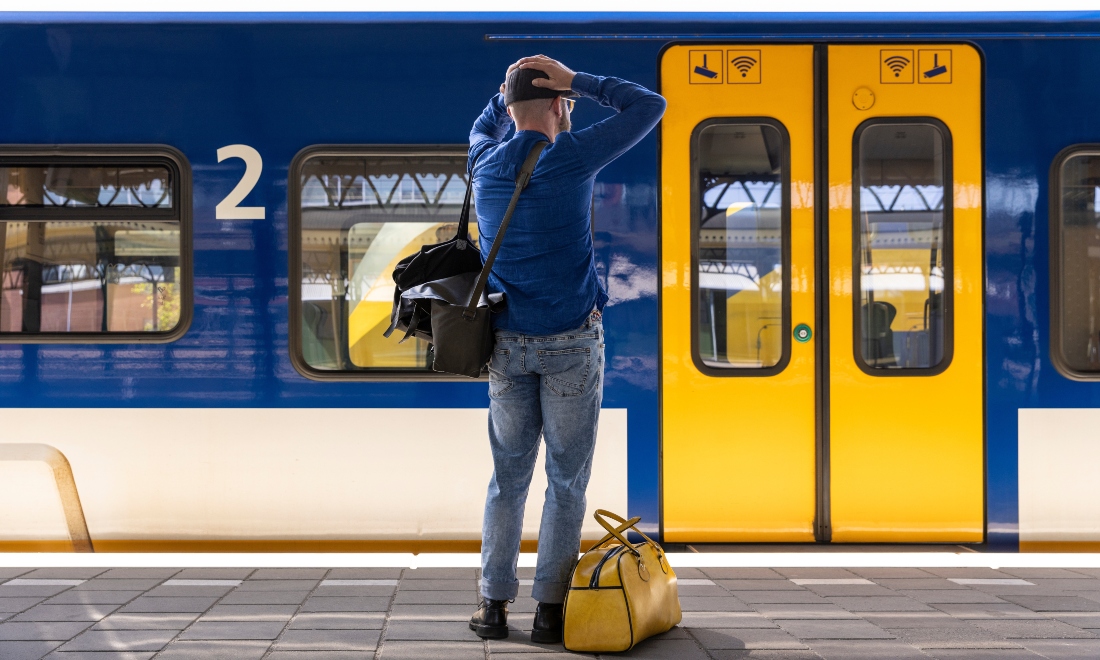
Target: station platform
{"x": 784, "y": 606}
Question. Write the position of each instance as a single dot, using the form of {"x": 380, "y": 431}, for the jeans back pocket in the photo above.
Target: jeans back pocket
{"x": 499, "y": 382}
{"x": 566, "y": 371}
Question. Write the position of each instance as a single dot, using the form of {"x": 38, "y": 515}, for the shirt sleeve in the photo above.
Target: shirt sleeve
{"x": 490, "y": 128}
{"x": 638, "y": 111}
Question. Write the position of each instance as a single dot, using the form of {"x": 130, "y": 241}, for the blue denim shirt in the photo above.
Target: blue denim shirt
{"x": 546, "y": 266}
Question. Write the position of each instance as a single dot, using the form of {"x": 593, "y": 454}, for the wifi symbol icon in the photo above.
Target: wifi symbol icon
{"x": 897, "y": 64}
{"x": 743, "y": 67}
{"x": 744, "y": 64}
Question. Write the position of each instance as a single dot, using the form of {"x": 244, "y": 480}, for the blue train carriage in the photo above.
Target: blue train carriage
{"x": 854, "y": 278}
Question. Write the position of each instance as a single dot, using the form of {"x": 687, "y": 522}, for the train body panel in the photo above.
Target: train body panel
{"x": 200, "y": 84}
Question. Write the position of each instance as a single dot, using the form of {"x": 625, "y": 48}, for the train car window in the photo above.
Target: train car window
{"x": 902, "y": 215}
{"x": 740, "y": 246}
{"x": 1075, "y": 243}
{"x": 356, "y": 212}
{"x": 91, "y": 242}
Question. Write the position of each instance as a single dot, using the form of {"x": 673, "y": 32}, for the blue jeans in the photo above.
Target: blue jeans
{"x": 551, "y": 387}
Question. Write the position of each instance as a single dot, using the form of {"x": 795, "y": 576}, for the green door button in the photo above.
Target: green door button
{"x": 802, "y": 333}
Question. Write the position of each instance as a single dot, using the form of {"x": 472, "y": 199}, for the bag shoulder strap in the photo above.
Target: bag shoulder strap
{"x": 521, "y": 182}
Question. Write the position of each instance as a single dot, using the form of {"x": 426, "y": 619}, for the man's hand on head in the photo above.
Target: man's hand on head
{"x": 561, "y": 76}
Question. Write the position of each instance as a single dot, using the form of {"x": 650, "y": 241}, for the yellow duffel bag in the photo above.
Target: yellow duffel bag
{"x": 620, "y": 593}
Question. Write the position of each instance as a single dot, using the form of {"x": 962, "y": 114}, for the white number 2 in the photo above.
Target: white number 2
{"x": 228, "y": 209}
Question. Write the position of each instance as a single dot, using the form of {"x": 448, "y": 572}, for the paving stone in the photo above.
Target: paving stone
{"x": 65, "y": 573}
{"x": 317, "y": 604}
{"x": 519, "y": 642}
{"x": 227, "y": 650}
{"x": 32, "y": 590}
{"x": 9, "y": 605}
{"x": 289, "y": 574}
{"x": 93, "y": 598}
{"x": 880, "y": 604}
{"x": 250, "y": 613}
{"x": 1044, "y": 573}
{"x": 177, "y": 591}
{"x": 439, "y": 574}
{"x": 937, "y": 583}
{"x": 1065, "y": 584}
{"x": 264, "y": 598}
{"x": 977, "y": 572}
{"x": 9, "y": 573}
{"x": 101, "y": 655}
{"x": 817, "y": 573}
{"x": 440, "y": 631}
{"x": 758, "y": 585}
{"x": 710, "y": 590}
{"x": 1034, "y": 629}
{"x": 933, "y": 619}
{"x": 854, "y": 629}
{"x": 434, "y": 612}
{"x": 162, "y": 573}
{"x": 364, "y": 574}
{"x": 338, "y": 621}
{"x": 689, "y": 572}
{"x": 120, "y": 640}
{"x": 1079, "y": 619}
{"x": 316, "y": 655}
{"x": 681, "y": 649}
{"x": 118, "y": 585}
{"x": 982, "y": 654}
{"x": 65, "y": 613}
{"x": 726, "y": 620}
{"x": 708, "y": 604}
{"x": 328, "y": 640}
{"x": 437, "y": 585}
{"x": 952, "y": 638}
{"x": 1053, "y": 603}
{"x": 793, "y": 611}
{"x": 741, "y": 574}
{"x": 436, "y": 598}
{"x": 153, "y": 621}
{"x": 764, "y": 654}
{"x": 186, "y": 604}
{"x": 214, "y": 573}
{"x": 800, "y": 596}
{"x": 936, "y": 596}
{"x": 891, "y": 572}
{"x": 987, "y": 611}
{"x": 373, "y": 590}
{"x": 850, "y": 590}
{"x": 42, "y": 630}
{"x": 278, "y": 585}
{"x": 26, "y": 650}
{"x": 745, "y": 638}
{"x": 213, "y": 630}
{"x": 863, "y": 649}
{"x": 1068, "y": 649}
{"x": 421, "y": 650}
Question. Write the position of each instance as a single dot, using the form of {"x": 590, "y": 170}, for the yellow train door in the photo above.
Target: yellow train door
{"x": 905, "y": 293}
{"x": 868, "y": 428}
{"x": 737, "y": 253}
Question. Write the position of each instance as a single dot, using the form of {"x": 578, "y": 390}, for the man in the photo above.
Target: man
{"x": 546, "y": 372}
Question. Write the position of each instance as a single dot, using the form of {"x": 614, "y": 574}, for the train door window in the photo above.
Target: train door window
{"x": 902, "y": 213}
{"x": 91, "y": 245}
{"x": 741, "y": 278}
{"x": 1076, "y": 245}
{"x": 356, "y": 212}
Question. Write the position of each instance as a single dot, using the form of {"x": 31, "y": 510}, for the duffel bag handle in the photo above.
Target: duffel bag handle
{"x": 601, "y": 516}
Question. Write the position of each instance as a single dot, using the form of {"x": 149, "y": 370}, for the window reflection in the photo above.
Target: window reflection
{"x": 1080, "y": 262}
{"x": 739, "y": 299}
{"x": 60, "y": 277}
{"x": 360, "y": 215}
{"x": 84, "y": 186}
{"x": 901, "y": 214}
